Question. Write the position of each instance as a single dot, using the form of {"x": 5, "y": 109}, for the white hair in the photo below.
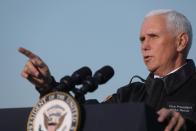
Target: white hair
{"x": 176, "y": 22}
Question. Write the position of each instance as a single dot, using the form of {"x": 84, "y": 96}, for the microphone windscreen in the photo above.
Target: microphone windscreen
{"x": 81, "y": 74}
{"x": 104, "y": 74}
{"x": 65, "y": 84}
{"x": 65, "y": 79}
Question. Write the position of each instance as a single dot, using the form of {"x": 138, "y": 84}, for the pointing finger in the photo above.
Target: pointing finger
{"x": 27, "y": 53}
{"x": 38, "y": 62}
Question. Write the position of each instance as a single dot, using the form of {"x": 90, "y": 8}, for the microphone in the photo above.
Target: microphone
{"x": 104, "y": 74}
{"x": 68, "y": 83}
{"x": 100, "y": 77}
{"x": 78, "y": 76}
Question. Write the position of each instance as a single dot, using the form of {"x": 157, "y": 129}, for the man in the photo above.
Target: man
{"x": 166, "y": 38}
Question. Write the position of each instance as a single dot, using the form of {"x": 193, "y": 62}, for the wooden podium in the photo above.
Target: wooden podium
{"x": 95, "y": 117}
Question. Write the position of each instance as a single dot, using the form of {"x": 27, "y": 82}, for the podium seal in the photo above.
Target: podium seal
{"x": 57, "y": 111}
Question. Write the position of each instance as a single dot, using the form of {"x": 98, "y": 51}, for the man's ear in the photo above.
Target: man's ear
{"x": 182, "y": 41}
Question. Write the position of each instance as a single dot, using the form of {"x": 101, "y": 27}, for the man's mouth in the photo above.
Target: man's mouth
{"x": 147, "y": 58}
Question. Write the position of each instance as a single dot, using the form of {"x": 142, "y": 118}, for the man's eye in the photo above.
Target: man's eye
{"x": 142, "y": 39}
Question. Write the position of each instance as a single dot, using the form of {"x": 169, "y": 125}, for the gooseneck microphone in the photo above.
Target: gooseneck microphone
{"x": 100, "y": 77}
{"x": 78, "y": 76}
{"x": 68, "y": 83}
{"x": 104, "y": 74}
{"x": 83, "y": 77}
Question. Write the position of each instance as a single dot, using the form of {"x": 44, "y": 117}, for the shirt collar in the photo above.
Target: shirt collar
{"x": 173, "y": 71}
{"x": 174, "y": 79}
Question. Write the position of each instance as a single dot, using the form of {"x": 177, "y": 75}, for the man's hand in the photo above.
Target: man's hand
{"x": 35, "y": 70}
{"x": 175, "y": 119}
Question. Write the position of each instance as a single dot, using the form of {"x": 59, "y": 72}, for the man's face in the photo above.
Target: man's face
{"x": 158, "y": 45}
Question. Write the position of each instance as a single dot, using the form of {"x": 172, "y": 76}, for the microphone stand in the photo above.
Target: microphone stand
{"x": 79, "y": 95}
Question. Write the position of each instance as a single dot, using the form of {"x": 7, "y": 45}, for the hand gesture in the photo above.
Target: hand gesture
{"x": 35, "y": 70}
{"x": 175, "y": 120}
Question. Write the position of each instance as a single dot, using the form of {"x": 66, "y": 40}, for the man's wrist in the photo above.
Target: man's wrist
{"x": 47, "y": 88}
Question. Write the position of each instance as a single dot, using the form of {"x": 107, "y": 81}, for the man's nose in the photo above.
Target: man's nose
{"x": 145, "y": 45}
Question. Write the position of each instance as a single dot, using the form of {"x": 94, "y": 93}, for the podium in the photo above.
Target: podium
{"x": 94, "y": 117}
